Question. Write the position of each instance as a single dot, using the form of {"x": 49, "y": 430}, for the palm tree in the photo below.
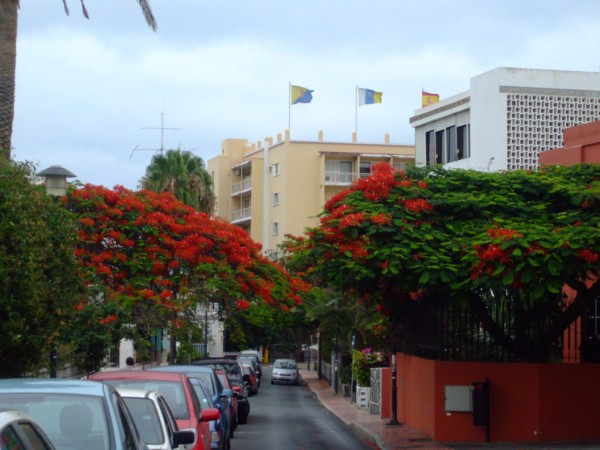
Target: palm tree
{"x": 8, "y": 62}
{"x": 184, "y": 175}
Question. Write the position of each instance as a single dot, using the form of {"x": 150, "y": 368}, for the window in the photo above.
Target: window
{"x": 365, "y": 169}
{"x": 275, "y": 228}
{"x": 338, "y": 171}
{"x": 430, "y": 145}
{"x": 276, "y": 169}
{"x": 275, "y": 198}
{"x": 439, "y": 147}
{"x": 451, "y": 144}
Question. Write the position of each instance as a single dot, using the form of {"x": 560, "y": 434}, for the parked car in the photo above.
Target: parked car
{"x": 207, "y": 375}
{"x": 250, "y": 379}
{"x": 233, "y": 401}
{"x": 74, "y": 414}
{"x": 21, "y": 432}
{"x": 155, "y": 421}
{"x": 254, "y": 361}
{"x": 179, "y": 394}
{"x": 219, "y": 440}
{"x": 234, "y": 371}
{"x": 285, "y": 371}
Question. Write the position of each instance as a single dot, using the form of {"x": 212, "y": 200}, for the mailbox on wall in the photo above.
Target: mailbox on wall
{"x": 457, "y": 398}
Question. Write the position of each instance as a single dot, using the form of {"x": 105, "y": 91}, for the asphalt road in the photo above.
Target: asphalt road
{"x": 291, "y": 418}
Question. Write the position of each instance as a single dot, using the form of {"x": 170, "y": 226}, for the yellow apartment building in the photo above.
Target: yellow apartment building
{"x": 278, "y": 187}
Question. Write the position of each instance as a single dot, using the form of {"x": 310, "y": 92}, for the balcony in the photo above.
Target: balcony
{"x": 241, "y": 215}
{"x": 340, "y": 178}
{"x": 242, "y": 186}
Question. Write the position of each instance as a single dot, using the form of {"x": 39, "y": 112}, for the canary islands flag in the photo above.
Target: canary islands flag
{"x": 429, "y": 99}
{"x": 368, "y": 96}
{"x": 301, "y": 94}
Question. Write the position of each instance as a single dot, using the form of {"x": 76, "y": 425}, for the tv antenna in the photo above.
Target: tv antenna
{"x": 162, "y": 129}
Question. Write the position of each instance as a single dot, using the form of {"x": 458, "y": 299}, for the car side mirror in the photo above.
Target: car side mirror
{"x": 183, "y": 437}
{"x": 227, "y": 393}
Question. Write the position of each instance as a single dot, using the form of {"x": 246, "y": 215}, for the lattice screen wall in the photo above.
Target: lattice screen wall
{"x": 535, "y": 123}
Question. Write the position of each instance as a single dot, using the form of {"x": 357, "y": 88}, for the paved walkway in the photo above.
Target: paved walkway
{"x": 369, "y": 427}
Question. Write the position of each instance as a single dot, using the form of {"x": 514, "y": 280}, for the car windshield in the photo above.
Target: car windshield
{"x": 65, "y": 418}
{"x": 285, "y": 365}
{"x": 146, "y": 418}
{"x": 172, "y": 391}
{"x": 207, "y": 379}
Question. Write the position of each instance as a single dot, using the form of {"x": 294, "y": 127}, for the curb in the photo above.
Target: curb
{"x": 362, "y": 433}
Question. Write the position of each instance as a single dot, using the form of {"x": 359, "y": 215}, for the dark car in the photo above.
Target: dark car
{"x": 254, "y": 361}
{"x": 208, "y": 376}
{"x": 234, "y": 371}
{"x": 250, "y": 379}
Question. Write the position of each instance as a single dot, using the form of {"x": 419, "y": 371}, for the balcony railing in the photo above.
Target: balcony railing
{"x": 241, "y": 214}
{"x": 340, "y": 178}
{"x": 241, "y": 186}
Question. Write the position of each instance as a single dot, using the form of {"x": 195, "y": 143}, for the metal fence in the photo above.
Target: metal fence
{"x": 446, "y": 330}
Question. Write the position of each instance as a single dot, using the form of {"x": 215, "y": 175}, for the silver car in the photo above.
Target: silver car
{"x": 155, "y": 421}
{"x": 285, "y": 371}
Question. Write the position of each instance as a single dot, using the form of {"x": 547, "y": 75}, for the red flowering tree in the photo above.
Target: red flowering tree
{"x": 400, "y": 240}
{"x": 158, "y": 258}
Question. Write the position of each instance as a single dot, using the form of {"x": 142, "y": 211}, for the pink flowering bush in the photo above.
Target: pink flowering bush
{"x": 363, "y": 361}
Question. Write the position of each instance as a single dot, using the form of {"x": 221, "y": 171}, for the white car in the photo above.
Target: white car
{"x": 285, "y": 371}
{"x": 155, "y": 421}
{"x": 18, "y": 430}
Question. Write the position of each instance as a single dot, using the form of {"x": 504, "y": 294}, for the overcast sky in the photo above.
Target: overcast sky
{"x": 89, "y": 92}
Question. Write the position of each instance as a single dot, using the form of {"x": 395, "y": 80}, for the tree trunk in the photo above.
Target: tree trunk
{"x": 8, "y": 63}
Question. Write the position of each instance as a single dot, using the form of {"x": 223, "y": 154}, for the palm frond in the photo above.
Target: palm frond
{"x": 66, "y": 7}
{"x": 150, "y": 20}
{"x": 85, "y": 13}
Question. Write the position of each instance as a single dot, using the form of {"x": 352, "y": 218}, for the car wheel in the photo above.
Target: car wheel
{"x": 272, "y": 382}
{"x": 243, "y": 419}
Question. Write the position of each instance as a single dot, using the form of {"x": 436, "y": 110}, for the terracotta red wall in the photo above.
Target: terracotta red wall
{"x": 581, "y": 145}
{"x": 528, "y": 402}
{"x": 386, "y": 386}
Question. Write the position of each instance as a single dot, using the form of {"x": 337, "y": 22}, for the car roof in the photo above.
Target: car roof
{"x": 138, "y": 375}
{"x": 182, "y": 369}
{"x": 137, "y": 393}
{"x": 53, "y": 386}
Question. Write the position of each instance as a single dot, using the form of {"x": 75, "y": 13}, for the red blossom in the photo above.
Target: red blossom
{"x": 108, "y": 319}
{"x": 589, "y": 256}
{"x": 242, "y": 304}
{"x": 382, "y": 219}
{"x": 417, "y": 205}
{"x": 503, "y": 233}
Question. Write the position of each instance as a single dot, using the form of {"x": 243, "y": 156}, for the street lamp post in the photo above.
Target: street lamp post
{"x": 394, "y": 421}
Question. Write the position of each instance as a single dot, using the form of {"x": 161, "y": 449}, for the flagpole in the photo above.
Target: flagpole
{"x": 290, "y": 107}
{"x": 356, "y": 110}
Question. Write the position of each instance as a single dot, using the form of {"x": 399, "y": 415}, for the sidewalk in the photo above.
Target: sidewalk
{"x": 370, "y": 428}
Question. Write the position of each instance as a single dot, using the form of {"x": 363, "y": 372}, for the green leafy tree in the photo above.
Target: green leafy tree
{"x": 184, "y": 175}
{"x": 39, "y": 278}
{"x": 8, "y": 61}
{"x": 397, "y": 240}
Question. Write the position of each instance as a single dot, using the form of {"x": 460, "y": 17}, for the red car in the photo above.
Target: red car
{"x": 233, "y": 402}
{"x": 250, "y": 379}
{"x": 177, "y": 391}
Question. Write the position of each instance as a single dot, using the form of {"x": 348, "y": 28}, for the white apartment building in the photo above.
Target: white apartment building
{"x": 505, "y": 119}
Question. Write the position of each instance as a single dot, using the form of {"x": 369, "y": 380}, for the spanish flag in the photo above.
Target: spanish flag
{"x": 427, "y": 98}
